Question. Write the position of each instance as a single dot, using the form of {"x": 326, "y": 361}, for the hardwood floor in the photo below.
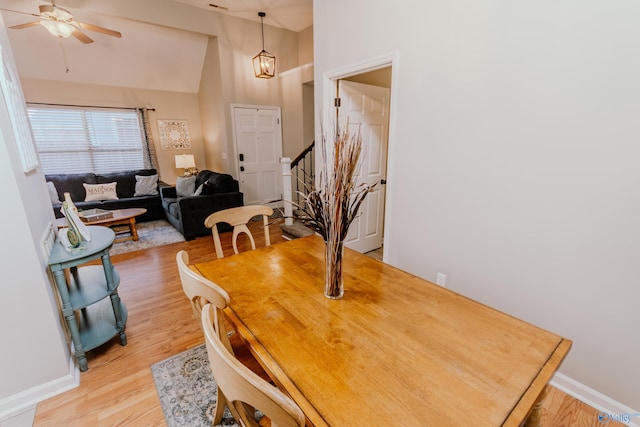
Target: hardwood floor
{"x": 118, "y": 388}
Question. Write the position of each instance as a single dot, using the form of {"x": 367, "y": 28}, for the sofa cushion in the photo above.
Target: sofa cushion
{"x": 174, "y": 209}
{"x": 185, "y": 186}
{"x": 71, "y": 183}
{"x": 146, "y": 185}
{"x": 126, "y": 180}
{"x": 100, "y": 192}
{"x": 166, "y": 202}
{"x": 53, "y": 193}
{"x": 202, "y": 177}
{"x": 219, "y": 183}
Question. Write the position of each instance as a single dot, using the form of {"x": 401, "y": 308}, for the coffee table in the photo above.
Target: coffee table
{"x": 120, "y": 217}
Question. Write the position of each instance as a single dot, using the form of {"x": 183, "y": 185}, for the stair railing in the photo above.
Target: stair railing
{"x": 297, "y": 176}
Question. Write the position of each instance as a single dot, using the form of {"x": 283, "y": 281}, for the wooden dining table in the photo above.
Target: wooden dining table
{"x": 395, "y": 350}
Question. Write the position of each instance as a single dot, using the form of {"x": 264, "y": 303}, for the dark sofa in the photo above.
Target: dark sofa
{"x": 125, "y": 189}
{"x": 187, "y": 213}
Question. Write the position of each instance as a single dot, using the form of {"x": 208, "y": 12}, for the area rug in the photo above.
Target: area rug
{"x": 187, "y": 390}
{"x": 152, "y": 233}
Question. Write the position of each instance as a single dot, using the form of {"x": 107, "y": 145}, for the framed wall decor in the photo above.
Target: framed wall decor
{"x": 174, "y": 134}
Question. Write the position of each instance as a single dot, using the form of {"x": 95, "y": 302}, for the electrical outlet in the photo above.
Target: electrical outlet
{"x": 441, "y": 279}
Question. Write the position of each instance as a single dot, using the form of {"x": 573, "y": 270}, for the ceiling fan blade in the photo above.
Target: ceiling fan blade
{"x": 81, "y": 36}
{"x": 27, "y": 25}
{"x": 99, "y": 29}
{"x": 23, "y": 13}
{"x": 217, "y": 6}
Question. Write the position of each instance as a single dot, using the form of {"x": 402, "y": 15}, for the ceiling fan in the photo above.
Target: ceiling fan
{"x": 60, "y": 23}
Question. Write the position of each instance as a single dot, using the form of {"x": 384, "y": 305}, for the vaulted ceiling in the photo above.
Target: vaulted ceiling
{"x": 163, "y": 42}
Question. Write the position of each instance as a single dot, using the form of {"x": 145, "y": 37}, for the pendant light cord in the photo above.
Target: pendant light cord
{"x": 262, "y": 15}
{"x": 64, "y": 57}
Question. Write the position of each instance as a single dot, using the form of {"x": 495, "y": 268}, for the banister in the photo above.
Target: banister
{"x": 301, "y": 156}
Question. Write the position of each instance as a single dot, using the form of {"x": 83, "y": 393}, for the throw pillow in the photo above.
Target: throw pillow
{"x": 146, "y": 185}
{"x": 100, "y": 192}
{"x": 199, "y": 190}
{"x": 185, "y": 186}
{"x": 53, "y": 193}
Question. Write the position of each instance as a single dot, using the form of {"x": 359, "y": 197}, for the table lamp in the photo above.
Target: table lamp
{"x": 187, "y": 162}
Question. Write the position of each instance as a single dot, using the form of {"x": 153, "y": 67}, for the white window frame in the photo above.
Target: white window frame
{"x": 72, "y": 139}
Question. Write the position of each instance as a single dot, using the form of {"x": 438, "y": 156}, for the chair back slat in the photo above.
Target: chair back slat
{"x": 244, "y": 390}
{"x": 238, "y": 219}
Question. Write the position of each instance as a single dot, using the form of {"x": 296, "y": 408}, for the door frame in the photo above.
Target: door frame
{"x": 236, "y": 163}
{"x": 329, "y": 87}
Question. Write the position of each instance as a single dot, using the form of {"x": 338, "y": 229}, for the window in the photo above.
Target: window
{"x": 87, "y": 139}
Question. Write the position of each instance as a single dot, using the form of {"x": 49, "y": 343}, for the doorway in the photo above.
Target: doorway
{"x": 365, "y": 108}
{"x": 257, "y": 136}
{"x": 376, "y": 76}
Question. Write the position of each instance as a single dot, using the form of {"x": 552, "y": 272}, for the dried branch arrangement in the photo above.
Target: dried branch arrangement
{"x": 331, "y": 207}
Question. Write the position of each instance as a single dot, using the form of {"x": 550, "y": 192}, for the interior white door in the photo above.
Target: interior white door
{"x": 367, "y": 107}
{"x": 258, "y": 138}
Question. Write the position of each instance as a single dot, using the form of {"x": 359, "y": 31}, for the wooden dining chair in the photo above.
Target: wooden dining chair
{"x": 238, "y": 219}
{"x": 243, "y": 389}
{"x": 201, "y": 292}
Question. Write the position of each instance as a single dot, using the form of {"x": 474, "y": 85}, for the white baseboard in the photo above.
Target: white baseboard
{"x": 611, "y": 409}
{"x": 20, "y": 405}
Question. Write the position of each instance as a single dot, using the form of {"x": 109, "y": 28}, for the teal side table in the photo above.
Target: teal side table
{"x": 92, "y": 318}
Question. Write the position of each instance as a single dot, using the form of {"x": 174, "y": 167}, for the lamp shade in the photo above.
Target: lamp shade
{"x": 185, "y": 161}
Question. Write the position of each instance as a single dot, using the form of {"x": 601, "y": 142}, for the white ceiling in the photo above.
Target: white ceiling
{"x": 294, "y": 15}
{"x": 140, "y": 59}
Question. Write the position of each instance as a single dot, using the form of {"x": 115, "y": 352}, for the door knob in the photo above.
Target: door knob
{"x": 383, "y": 182}
{"x": 241, "y": 168}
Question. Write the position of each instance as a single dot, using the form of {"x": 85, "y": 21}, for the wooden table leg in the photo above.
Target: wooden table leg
{"x": 133, "y": 229}
{"x": 535, "y": 417}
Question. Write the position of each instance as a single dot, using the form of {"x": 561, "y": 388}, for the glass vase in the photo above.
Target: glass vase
{"x": 333, "y": 283}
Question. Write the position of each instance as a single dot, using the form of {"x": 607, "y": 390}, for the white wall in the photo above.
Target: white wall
{"x": 294, "y": 109}
{"x": 35, "y": 356}
{"x": 305, "y": 46}
{"x": 228, "y": 78}
{"x": 213, "y": 111}
{"x": 514, "y": 160}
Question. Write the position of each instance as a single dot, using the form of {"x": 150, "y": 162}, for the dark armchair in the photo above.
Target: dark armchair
{"x": 213, "y": 192}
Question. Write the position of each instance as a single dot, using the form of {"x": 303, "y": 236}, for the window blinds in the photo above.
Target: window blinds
{"x": 87, "y": 139}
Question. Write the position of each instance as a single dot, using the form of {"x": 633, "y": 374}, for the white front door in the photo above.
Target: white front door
{"x": 258, "y": 143}
{"x": 367, "y": 107}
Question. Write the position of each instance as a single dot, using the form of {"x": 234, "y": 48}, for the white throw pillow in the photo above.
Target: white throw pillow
{"x": 100, "y": 192}
{"x": 185, "y": 186}
{"x": 53, "y": 193}
{"x": 146, "y": 185}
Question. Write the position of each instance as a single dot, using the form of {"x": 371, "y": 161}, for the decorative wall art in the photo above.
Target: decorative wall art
{"x": 14, "y": 100}
{"x": 174, "y": 134}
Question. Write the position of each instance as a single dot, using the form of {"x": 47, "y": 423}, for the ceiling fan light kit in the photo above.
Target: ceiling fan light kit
{"x": 55, "y": 12}
{"x": 58, "y": 29}
{"x": 264, "y": 63}
{"x": 60, "y": 23}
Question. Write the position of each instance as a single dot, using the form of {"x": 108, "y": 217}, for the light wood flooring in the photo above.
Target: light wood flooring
{"x": 118, "y": 389}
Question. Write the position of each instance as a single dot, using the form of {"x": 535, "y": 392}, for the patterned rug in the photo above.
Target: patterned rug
{"x": 187, "y": 390}
{"x": 152, "y": 233}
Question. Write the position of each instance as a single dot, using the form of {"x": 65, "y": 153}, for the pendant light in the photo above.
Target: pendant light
{"x": 264, "y": 63}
